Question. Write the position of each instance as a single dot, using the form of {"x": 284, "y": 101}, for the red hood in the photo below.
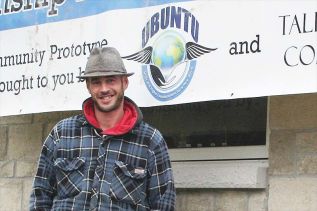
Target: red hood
{"x": 127, "y": 122}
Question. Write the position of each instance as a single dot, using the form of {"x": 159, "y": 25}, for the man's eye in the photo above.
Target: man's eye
{"x": 95, "y": 82}
{"x": 110, "y": 80}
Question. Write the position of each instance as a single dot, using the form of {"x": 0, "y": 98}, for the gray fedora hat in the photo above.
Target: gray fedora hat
{"x": 104, "y": 62}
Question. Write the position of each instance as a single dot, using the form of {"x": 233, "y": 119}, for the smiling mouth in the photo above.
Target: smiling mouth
{"x": 105, "y": 97}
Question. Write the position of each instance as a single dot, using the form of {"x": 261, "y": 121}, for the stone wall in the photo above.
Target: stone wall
{"x": 293, "y": 153}
{"x": 21, "y": 139}
{"x": 221, "y": 200}
{"x": 292, "y": 162}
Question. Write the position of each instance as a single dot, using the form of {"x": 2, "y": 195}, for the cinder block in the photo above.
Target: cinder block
{"x": 293, "y": 111}
{"x": 306, "y": 142}
{"x": 25, "y": 141}
{"x": 11, "y": 195}
{"x": 231, "y": 200}
{"x": 307, "y": 164}
{"x": 293, "y": 194}
{"x": 16, "y": 119}
{"x": 26, "y": 168}
{"x": 27, "y": 187}
{"x": 282, "y": 153}
{"x": 257, "y": 201}
{"x": 195, "y": 199}
{"x": 6, "y": 169}
{"x": 3, "y": 142}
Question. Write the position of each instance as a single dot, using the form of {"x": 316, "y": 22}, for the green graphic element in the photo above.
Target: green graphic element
{"x": 168, "y": 51}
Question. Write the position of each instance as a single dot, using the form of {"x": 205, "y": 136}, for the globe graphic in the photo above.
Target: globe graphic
{"x": 168, "y": 50}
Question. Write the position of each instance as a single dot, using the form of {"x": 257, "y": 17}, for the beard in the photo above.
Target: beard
{"x": 117, "y": 102}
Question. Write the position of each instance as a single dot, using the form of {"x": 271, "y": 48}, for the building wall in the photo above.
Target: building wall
{"x": 292, "y": 173}
{"x": 293, "y": 153}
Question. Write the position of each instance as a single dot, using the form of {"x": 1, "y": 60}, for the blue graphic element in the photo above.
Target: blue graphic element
{"x": 69, "y": 9}
{"x": 169, "y": 50}
{"x": 167, "y": 95}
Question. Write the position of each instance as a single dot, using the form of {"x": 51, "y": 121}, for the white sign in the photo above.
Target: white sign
{"x": 180, "y": 51}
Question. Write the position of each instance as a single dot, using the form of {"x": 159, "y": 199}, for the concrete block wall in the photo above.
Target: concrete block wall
{"x": 21, "y": 139}
{"x": 16, "y": 148}
{"x": 221, "y": 200}
{"x": 292, "y": 162}
{"x": 293, "y": 153}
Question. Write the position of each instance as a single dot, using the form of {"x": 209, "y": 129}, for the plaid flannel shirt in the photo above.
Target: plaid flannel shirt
{"x": 79, "y": 169}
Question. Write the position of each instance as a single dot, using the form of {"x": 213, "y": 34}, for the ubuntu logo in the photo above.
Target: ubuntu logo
{"x": 169, "y": 52}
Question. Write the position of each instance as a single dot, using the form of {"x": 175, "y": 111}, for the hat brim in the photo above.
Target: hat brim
{"x": 100, "y": 74}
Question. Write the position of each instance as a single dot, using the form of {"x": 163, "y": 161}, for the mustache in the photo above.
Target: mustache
{"x": 105, "y": 93}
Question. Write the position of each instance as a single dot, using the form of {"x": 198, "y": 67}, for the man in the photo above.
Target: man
{"x": 107, "y": 158}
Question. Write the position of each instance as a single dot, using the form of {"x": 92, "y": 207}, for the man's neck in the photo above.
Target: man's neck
{"x": 108, "y": 120}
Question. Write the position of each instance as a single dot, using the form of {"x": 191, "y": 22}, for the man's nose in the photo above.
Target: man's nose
{"x": 104, "y": 87}
{"x": 105, "y": 84}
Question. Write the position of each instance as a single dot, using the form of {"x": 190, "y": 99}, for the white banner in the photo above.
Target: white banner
{"x": 180, "y": 51}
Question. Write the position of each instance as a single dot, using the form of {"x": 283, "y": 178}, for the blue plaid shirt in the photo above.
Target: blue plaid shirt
{"x": 80, "y": 169}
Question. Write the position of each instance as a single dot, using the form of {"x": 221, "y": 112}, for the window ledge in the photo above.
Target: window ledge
{"x": 221, "y": 174}
{"x": 219, "y": 153}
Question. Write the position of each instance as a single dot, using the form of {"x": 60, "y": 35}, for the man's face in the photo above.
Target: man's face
{"x": 107, "y": 92}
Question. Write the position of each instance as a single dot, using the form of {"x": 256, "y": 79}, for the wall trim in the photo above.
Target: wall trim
{"x": 219, "y": 153}
{"x": 221, "y": 174}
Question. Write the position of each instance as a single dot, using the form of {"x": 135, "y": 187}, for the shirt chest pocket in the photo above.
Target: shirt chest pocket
{"x": 69, "y": 175}
{"x": 128, "y": 183}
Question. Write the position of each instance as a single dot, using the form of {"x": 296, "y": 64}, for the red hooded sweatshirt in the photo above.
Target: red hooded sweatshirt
{"x": 130, "y": 117}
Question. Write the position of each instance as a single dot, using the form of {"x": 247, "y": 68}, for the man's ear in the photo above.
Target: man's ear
{"x": 125, "y": 82}
{"x": 87, "y": 85}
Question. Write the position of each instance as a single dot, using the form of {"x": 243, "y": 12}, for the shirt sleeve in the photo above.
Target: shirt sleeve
{"x": 161, "y": 191}
{"x": 44, "y": 184}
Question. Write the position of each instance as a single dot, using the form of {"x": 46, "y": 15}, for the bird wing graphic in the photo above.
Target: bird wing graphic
{"x": 143, "y": 56}
{"x": 193, "y": 50}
